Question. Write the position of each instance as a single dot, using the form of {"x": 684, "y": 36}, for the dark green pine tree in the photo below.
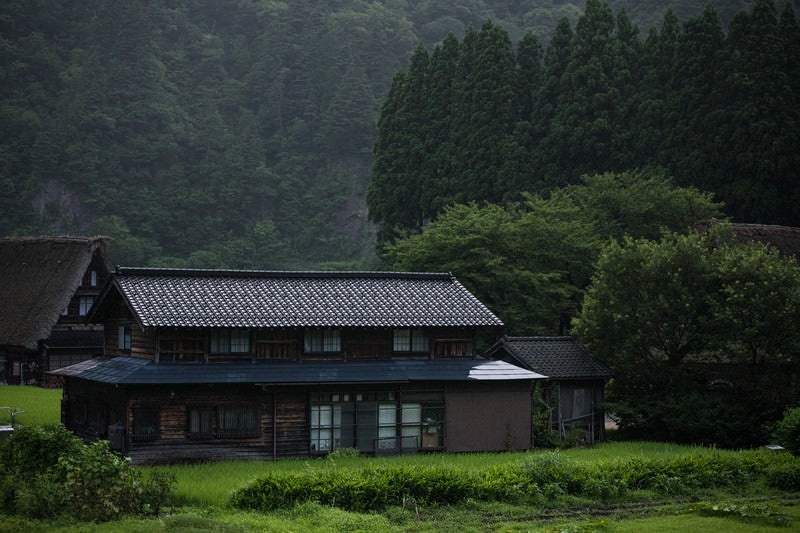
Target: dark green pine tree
{"x": 393, "y": 195}
{"x": 588, "y": 105}
{"x": 485, "y": 110}
{"x": 762, "y": 121}
{"x": 627, "y": 82}
{"x": 440, "y": 185}
{"x": 531, "y": 128}
{"x": 549, "y": 151}
{"x": 699, "y": 81}
{"x": 655, "y": 117}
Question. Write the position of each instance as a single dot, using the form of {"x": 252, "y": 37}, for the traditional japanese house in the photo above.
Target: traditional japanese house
{"x": 213, "y": 364}
{"x": 47, "y": 286}
{"x": 575, "y": 383}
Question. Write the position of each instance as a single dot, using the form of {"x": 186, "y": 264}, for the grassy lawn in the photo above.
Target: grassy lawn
{"x": 42, "y": 406}
{"x": 202, "y": 499}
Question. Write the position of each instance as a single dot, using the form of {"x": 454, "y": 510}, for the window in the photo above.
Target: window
{"x": 85, "y": 304}
{"x": 229, "y": 421}
{"x": 238, "y": 421}
{"x": 146, "y": 422}
{"x": 93, "y": 278}
{"x": 326, "y": 427}
{"x": 230, "y": 341}
{"x": 410, "y": 340}
{"x": 387, "y": 426}
{"x": 411, "y": 430}
{"x": 201, "y": 422}
{"x": 322, "y": 340}
{"x": 124, "y": 338}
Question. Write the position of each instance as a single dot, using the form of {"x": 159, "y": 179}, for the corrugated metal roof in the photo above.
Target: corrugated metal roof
{"x": 555, "y": 357}
{"x": 132, "y": 371}
{"x": 235, "y": 298}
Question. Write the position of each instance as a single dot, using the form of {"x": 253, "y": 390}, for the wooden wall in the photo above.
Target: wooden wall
{"x": 488, "y": 417}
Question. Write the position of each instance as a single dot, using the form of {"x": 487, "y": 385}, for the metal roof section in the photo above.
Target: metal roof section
{"x": 250, "y": 298}
{"x": 556, "y": 357}
{"x": 132, "y": 371}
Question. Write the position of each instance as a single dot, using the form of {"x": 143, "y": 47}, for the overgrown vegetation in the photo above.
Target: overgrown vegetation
{"x": 547, "y": 479}
{"x": 787, "y": 431}
{"x": 47, "y": 472}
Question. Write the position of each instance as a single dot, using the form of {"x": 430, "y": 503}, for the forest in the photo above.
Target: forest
{"x": 246, "y": 134}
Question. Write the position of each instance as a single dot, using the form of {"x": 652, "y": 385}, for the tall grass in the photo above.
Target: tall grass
{"x": 42, "y": 407}
{"x": 212, "y": 484}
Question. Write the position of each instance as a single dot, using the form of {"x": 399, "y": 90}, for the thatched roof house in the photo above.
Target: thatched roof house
{"x": 785, "y": 239}
{"x": 46, "y": 283}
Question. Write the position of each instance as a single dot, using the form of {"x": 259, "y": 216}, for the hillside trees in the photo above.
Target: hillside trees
{"x": 715, "y": 111}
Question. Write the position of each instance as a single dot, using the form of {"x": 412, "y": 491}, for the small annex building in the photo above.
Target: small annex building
{"x": 574, "y": 389}
{"x": 223, "y": 364}
{"x": 47, "y": 286}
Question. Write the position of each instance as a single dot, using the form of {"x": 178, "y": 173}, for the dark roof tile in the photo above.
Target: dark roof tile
{"x": 555, "y": 357}
{"x": 232, "y": 298}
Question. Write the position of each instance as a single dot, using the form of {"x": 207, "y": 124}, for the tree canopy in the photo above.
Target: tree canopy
{"x": 659, "y": 312}
{"x": 530, "y": 261}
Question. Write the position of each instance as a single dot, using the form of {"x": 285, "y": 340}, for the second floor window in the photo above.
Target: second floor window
{"x": 410, "y": 340}
{"x": 323, "y": 340}
{"x": 230, "y": 341}
{"x": 85, "y": 304}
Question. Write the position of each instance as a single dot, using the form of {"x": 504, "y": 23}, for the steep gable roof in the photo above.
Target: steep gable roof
{"x": 555, "y": 357}
{"x": 244, "y": 298}
{"x": 38, "y": 277}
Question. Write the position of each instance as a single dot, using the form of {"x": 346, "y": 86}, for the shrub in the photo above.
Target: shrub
{"x": 47, "y": 472}
{"x": 785, "y": 476}
{"x": 32, "y": 450}
{"x": 787, "y": 431}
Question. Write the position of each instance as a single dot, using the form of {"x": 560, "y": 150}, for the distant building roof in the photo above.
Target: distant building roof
{"x": 555, "y": 357}
{"x": 132, "y": 371}
{"x": 785, "y": 239}
{"x": 38, "y": 277}
{"x": 243, "y": 298}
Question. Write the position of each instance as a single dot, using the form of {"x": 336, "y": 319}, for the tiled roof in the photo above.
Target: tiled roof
{"x": 236, "y": 298}
{"x": 131, "y": 371}
{"x": 555, "y": 357}
{"x": 38, "y": 277}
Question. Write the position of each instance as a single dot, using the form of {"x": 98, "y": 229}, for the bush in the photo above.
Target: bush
{"x": 785, "y": 476}
{"x": 32, "y": 450}
{"x": 787, "y": 431}
{"x": 47, "y": 472}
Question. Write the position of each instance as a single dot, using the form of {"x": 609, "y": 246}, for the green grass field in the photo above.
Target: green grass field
{"x": 41, "y": 406}
{"x": 201, "y": 501}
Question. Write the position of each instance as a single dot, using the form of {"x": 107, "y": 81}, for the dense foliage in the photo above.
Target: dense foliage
{"x": 531, "y": 261}
{"x": 240, "y": 134}
{"x": 46, "y": 472}
{"x": 480, "y": 120}
{"x": 787, "y": 432}
{"x": 662, "y": 312}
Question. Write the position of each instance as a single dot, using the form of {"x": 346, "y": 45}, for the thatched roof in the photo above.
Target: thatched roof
{"x": 785, "y": 239}
{"x": 38, "y": 277}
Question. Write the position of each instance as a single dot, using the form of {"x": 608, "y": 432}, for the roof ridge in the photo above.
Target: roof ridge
{"x": 540, "y": 338}
{"x": 309, "y": 274}
{"x": 54, "y": 239}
